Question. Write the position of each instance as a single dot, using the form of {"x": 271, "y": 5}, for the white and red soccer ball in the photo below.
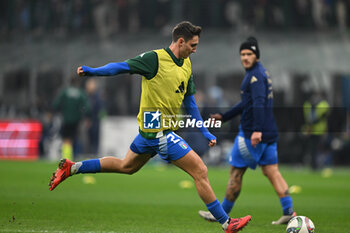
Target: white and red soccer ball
{"x": 300, "y": 224}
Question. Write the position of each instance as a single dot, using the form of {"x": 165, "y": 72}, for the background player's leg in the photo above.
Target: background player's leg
{"x": 273, "y": 174}
{"x": 233, "y": 187}
{"x": 281, "y": 187}
{"x": 67, "y": 149}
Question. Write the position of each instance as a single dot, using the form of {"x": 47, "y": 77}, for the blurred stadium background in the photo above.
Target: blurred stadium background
{"x": 304, "y": 44}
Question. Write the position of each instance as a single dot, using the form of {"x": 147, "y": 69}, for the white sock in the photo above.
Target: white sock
{"x": 225, "y": 225}
{"x": 75, "y": 167}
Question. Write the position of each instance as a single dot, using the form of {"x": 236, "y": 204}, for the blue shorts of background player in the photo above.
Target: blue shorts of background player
{"x": 245, "y": 155}
{"x": 170, "y": 147}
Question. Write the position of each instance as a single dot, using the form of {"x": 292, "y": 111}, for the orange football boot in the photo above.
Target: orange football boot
{"x": 62, "y": 172}
{"x": 237, "y": 224}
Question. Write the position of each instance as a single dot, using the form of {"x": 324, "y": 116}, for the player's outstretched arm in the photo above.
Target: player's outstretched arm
{"x": 234, "y": 111}
{"x": 107, "y": 70}
{"x": 192, "y": 109}
{"x": 216, "y": 116}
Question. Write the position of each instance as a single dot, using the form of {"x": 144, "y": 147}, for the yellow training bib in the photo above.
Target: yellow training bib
{"x": 162, "y": 96}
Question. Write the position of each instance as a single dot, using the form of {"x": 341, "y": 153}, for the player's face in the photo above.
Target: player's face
{"x": 188, "y": 47}
{"x": 248, "y": 58}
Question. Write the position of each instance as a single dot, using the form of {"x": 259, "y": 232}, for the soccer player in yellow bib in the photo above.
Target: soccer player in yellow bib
{"x": 167, "y": 82}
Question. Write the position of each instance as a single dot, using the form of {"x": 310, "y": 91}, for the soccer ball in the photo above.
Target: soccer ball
{"x": 300, "y": 224}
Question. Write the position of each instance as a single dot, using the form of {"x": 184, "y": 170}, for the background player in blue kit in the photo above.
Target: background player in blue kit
{"x": 256, "y": 142}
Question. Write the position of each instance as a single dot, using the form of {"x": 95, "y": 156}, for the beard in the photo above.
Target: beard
{"x": 252, "y": 65}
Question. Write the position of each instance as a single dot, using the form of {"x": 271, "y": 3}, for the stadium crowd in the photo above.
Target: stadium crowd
{"x": 62, "y": 18}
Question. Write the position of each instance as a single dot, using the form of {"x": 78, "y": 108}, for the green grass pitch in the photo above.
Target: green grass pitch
{"x": 153, "y": 201}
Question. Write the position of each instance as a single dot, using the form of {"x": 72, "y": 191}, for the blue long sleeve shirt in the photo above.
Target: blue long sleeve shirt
{"x": 146, "y": 66}
{"x": 192, "y": 109}
{"x": 256, "y": 105}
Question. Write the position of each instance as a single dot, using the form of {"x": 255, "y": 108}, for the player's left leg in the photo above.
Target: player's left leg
{"x": 238, "y": 167}
{"x": 281, "y": 187}
{"x": 275, "y": 177}
{"x": 233, "y": 190}
{"x": 194, "y": 166}
{"x": 269, "y": 166}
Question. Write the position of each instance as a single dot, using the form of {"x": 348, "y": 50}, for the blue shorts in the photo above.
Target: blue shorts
{"x": 245, "y": 155}
{"x": 170, "y": 147}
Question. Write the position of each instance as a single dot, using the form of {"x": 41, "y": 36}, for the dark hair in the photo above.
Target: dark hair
{"x": 186, "y": 30}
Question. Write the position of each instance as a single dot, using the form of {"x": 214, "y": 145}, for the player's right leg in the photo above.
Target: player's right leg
{"x": 63, "y": 171}
{"x": 129, "y": 165}
{"x": 234, "y": 187}
{"x": 139, "y": 153}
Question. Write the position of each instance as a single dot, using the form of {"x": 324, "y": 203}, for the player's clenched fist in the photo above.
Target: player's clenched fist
{"x": 80, "y": 71}
{"x": 216, "y": 116}
{"x": 212, "y": 143}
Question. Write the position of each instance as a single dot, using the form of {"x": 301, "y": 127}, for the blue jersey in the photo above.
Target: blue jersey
{"x": 256, "y": 105}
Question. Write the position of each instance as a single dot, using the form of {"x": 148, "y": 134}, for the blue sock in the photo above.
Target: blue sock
{"x": 89, "y": 166}
{"x": 227, "y": 205}
{"x": 287, "y": 205}
{"x": 217, "y": 211}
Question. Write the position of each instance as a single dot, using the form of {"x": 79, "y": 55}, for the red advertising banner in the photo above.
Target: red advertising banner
{"x": 20, "y": 139}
